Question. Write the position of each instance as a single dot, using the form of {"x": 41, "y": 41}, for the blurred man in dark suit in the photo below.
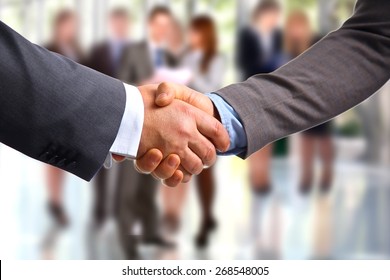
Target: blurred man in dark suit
{"x": 144, "y": 59}
{"x": 106, "y": 58}
{"x": 137, "y": 192}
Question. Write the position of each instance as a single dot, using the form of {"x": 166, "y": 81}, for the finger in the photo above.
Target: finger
{"x": 167, "y": 167}
{"x": 174, "y": 180}
{"x": 186, "y": 176}
{"x": 118, "y": 158}
{"x": 191, "y": 162}
{"x": 213, "y": 130}
{"x": 149, "y": 161}
{"x": 167, "y": 92}
{"x": 201, "y": 146}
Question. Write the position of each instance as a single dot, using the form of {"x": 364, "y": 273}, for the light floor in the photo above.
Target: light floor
{"x": 353, "y": 222}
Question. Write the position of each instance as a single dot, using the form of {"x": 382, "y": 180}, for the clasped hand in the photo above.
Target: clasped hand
{"x": 180, "y": 134}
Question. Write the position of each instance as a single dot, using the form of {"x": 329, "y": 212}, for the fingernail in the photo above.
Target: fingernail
{"x": 162, "y": 95}
{"x": 155, "y": 159}
{"x": 172, "y": 161}
{"x": 227, "y": 148}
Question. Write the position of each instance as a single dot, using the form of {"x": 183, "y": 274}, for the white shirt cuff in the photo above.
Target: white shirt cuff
{"x": 129, "y": 134}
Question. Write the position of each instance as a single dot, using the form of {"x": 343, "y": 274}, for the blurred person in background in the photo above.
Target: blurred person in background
{"x": 259, "y": 46}
{"x": 298, "y": 38}
{"x": 207, "y": 66}
{"x": 259, "y": 51}
{"x": 64, "y": 41}
{"x": 176, "y": 45}
{"x": 106, "y": 57}
{"x": 137, "y": 203}
{"x": 143, "y": 60}
{"x": 173, "y": 198}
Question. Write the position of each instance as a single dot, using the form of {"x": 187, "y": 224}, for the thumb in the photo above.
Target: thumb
{"x": 167, "y": 92}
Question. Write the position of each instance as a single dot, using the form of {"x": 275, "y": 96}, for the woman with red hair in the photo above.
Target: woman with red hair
{"x": 207, "y": 66}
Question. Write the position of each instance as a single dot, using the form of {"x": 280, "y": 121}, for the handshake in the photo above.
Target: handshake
{"x": 181, "y": 133}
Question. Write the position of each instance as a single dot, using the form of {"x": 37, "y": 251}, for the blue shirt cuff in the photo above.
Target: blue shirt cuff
{"x": 233, "y": 124}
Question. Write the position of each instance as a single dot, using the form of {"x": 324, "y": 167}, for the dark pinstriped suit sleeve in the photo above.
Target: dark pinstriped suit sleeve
{"x": 55, "y": 110}
{"x": 337, "y": 73}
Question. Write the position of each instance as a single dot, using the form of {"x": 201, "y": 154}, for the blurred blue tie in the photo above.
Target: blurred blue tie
{"x": 116, "y": 54}
{"x": 159, "y": 59}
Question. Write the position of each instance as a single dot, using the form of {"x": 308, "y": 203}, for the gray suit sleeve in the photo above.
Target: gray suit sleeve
{"x": 55, "y": 110}
{"x": 337, "y": 73}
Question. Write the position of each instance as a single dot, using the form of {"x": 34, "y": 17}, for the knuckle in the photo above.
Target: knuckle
{"x": 192, "y": 97}
{"x": 184, "y": 131}
{"x": 210, "y": 154}
{"x": 217, "y": 129}
{"x": 160, "y": 173}
{"x": 166, "y": 171}
{"x": 197, "y": 167}
{"x": 172, "y": 181}
{"x": 168, "y": 183}
{"x": 181, "y": 130}
{"x": 187, "y": 178}
{"x": 175, "y": 146}
{"x": 187, "y": 110}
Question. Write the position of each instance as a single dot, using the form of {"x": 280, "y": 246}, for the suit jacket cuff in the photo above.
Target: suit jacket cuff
{"x": 233, "y": 124}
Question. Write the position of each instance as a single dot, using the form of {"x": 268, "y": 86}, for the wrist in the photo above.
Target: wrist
{"x": 149, "y": 133}
{"x": 129, "y": 132}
